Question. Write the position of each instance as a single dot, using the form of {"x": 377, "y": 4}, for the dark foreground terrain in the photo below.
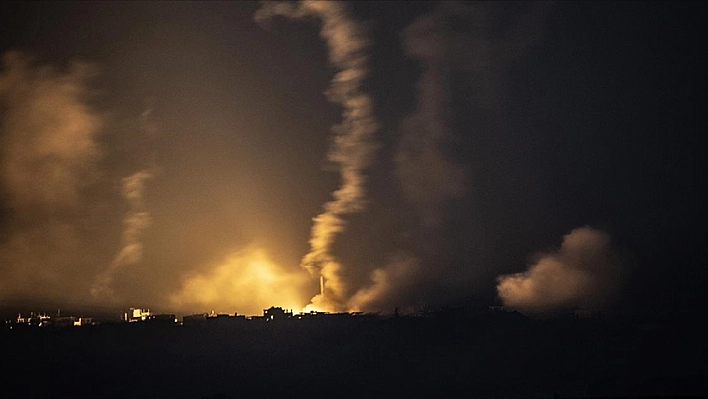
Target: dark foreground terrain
{"x": 491, "y": 356}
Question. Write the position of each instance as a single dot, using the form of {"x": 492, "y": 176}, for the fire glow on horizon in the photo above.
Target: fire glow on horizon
{"x": 247, "y": 281}
{"x": 372, "y": 157}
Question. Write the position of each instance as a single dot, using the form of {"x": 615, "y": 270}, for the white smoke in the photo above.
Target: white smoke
{"x": 136, "y": 219}
{"x": 583, "y": 272}
{"x": 135, "y": 222}
{"x": 353, "y": 146}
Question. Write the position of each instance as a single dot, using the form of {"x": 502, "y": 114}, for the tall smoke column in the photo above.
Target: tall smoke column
{"x": 353, "y": 145}
{"x": 136, "y": 220}
{"x": 458, "y": 44}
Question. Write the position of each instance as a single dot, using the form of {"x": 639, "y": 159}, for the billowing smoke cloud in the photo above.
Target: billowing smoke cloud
{"x": 247, "y": 281}
{"x": 49, "y": 135}
{"x": 393, "y": 284}
{"x": 49, "y": 153}
{"x": 583, "y": 272}
{"x": 353, "y": 146}
{"x": 136, "y": 220}
{"x": 456, "y": 44}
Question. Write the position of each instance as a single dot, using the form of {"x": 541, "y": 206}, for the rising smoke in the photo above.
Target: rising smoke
{"x": 583, "y": 273}
{"x": 457, "y": 41}
{"x": 49, "y": 155}
{"x": 392, "y": 284}
{"x": 353, "y": 145}
{"x": 454, "y": 40}
{"x": 136, "y": 220}
{"x": 49, "y": 134}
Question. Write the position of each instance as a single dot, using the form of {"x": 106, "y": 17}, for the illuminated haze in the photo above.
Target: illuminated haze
{"x": 50, "y": 154}
{"x": 199, "y": 156}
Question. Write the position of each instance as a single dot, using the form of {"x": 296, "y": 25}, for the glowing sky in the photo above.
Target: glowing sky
{"x": 197, "y": 156}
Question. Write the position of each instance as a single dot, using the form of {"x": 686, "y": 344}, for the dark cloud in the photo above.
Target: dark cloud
{"x": 457, "y": 39}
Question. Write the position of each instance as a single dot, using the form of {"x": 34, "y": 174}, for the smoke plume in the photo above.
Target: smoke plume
{"x": 136, "y": 220}
{"x": 49, "y": 154}
{"x": 49, "y": 135}
{"x": 457, "y": 43}
{"x": 583, "y": 272}
{"x": 393, "y": 284}
{"x": 353, "y": 145}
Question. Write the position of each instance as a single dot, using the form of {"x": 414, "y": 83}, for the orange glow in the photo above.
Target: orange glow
{"x": 313, "y": 308}
{"x": 246, "y": 282}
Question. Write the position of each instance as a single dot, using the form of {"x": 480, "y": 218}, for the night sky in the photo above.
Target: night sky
{"x": 203, "y": 156}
